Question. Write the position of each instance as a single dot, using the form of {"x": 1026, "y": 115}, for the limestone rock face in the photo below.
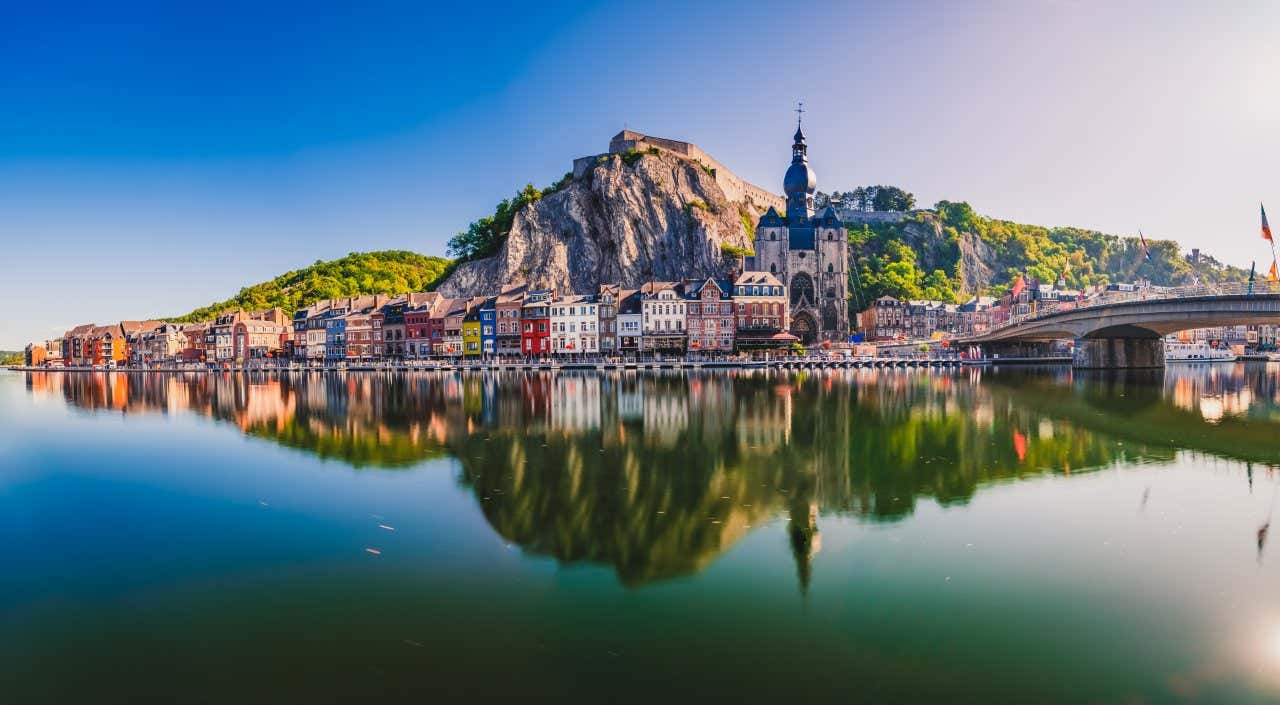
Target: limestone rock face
{"x": 661, "y": 217}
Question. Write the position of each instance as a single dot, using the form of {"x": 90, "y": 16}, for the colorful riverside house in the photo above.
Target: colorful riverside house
{"x": 75, "y": 344}
{"x": 194, "y": 350}
{"x": 418, "y": 325}
{"x": 709, "y": 316}
{"x": 489, "y": 326}
{"x": 535, "y": 322}
{"x": 309, "y": 331}
{"x": 507, "y": 311}
{"x": 575, "y": 325}
{"x": 471, "y": 338}
{"x": 630, "y": 321}
{"x": 107, "y": 344}
{"x": 36, "y": 355}
{"x": 335, "y": 330}
{"x": 260, "y": 334}
{"x": 663, "y": 306}
{"x": 435, "y": 326}
{"x": 389, "y": 327}
{"x": 760, "y": 310}
{"x": 607, "y": 301}
{"x": 455, "y": 314}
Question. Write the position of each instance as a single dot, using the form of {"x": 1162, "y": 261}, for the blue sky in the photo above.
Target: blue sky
{"x": 156, "y": 157}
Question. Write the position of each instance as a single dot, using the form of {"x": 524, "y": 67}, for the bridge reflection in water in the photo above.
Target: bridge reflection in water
{"x": 657, "y": 474}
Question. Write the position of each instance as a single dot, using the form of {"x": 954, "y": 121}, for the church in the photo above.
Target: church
{"x": 809, "y": 253}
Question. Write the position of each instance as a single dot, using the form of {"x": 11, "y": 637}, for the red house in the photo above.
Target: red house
{"x": 535, "y": 323}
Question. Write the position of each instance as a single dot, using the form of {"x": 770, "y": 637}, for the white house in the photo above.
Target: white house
{"x": 575, "y": 325}
{"x": 663, "y": 307}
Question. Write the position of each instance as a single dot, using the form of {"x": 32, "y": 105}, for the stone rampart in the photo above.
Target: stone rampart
{"x": 735, "y": 189}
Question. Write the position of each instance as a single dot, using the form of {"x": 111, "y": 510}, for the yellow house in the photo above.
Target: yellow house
{"x": 471, "y": 340}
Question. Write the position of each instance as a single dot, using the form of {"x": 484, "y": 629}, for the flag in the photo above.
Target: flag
{"x": 1271, "y": 276}
{"x": 1266, "y": 229}
{"x": 1146, "y": 251}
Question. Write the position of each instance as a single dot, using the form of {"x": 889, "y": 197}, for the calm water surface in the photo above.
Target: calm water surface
{"x": 853, "y": 536}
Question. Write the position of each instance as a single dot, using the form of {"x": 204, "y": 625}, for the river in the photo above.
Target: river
{"x": 871, "y": 536}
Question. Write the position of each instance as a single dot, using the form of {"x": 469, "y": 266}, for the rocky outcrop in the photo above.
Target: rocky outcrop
{"x": 624, "y": 220}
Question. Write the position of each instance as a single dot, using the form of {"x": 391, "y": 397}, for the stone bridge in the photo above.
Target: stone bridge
{"x": 1125, "y": 329}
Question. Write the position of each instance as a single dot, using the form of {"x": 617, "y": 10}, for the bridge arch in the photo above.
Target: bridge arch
{"x": 1125, "y": 330}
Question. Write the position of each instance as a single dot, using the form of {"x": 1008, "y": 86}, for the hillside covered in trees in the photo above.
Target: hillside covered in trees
{"x": 389, "y": 271}
{"x": 950, "y": 253}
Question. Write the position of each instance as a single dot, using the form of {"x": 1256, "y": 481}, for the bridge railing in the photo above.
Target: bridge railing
{"x": 1153, "y": 293}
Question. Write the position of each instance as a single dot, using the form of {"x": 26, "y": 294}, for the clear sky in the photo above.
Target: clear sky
{"x": 156, "y": 157}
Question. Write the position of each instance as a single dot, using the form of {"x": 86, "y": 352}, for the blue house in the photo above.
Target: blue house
{"x": 489, "y": 326}
{"x": 335, "y": 333}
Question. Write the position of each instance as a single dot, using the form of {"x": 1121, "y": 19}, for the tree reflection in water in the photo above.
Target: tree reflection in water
{"x": 658, "y": 474}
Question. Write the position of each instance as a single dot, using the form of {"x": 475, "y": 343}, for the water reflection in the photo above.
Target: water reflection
{"x": 656, "y": 475}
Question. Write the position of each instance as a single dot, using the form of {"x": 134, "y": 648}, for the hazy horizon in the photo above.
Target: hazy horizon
{"x": 159, "y": 158}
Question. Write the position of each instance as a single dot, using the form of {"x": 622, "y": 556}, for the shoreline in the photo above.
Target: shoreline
{"x": 554, "y": 366}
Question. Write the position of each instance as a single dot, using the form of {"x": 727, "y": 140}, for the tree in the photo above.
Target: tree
{"x": 892, "y": 198}
{"x": 869, "y": 198}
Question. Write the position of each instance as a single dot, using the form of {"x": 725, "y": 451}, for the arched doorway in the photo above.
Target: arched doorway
{"x": 804, "y": 327}
{"x": 802, "y": 290}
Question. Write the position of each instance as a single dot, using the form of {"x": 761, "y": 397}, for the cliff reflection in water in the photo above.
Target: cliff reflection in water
{"x": 658, "y": 474}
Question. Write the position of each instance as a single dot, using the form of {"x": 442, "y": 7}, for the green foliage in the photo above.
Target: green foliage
{"x": 888, "y": 266}
{"x": 389, "y": 272}
{"x": 869, "y": 198}
{"x": 8, "y": 358}
{"x": 695, "y": 204}
{"x": 958, "y": 215}
{"x": 748, "y": 222}
{"x": 734, "y": 251}
{"x": 908, "y": 260}
{"x": 483, "y": 237}
{"x": 631, "y": 156}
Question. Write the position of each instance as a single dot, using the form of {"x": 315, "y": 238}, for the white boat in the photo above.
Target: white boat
{"x": 1196, "y": 352}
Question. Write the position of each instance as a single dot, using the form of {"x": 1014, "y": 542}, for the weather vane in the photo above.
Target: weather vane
{"x": 800, "y": 112}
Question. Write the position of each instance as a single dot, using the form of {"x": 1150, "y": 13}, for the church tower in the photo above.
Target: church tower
{"x": 809, "y": 253}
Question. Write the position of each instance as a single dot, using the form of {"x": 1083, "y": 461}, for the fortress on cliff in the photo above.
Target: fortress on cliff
{"x": 735, "y": 189}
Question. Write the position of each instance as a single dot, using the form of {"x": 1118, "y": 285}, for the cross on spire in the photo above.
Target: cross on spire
{"x": 799, "y": 113}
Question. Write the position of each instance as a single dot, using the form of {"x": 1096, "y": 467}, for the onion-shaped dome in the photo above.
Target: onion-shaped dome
{"x": 800, "y": 179}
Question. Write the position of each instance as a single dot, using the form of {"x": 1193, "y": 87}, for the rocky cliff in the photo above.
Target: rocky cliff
{"x": 627, "y": 219}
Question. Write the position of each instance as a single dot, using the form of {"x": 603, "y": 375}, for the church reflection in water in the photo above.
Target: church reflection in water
{"x": 658, "y": 474}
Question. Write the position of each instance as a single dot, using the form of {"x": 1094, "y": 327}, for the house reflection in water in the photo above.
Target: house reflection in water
{"x": 658, "y": 474}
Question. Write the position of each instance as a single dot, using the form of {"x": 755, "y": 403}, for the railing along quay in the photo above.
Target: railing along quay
{"x": 785, "y": 363}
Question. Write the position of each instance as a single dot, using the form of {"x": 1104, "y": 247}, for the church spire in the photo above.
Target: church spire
{"x": 800, "y": 182}
{"x": 799, "y": 151}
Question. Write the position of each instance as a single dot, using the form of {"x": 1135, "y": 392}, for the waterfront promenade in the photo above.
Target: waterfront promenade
{"x": 480, "y": 366}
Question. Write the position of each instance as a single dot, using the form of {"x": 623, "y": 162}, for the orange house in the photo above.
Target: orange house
{"x": 106, "y": 344}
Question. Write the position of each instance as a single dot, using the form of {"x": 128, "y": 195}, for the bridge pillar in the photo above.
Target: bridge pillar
{"x": 1116, "y": 353}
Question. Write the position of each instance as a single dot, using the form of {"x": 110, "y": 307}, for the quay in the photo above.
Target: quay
{"x": 531, "y": 365}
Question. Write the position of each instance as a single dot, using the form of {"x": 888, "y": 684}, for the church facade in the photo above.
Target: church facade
{"x": 809, "y": 253}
